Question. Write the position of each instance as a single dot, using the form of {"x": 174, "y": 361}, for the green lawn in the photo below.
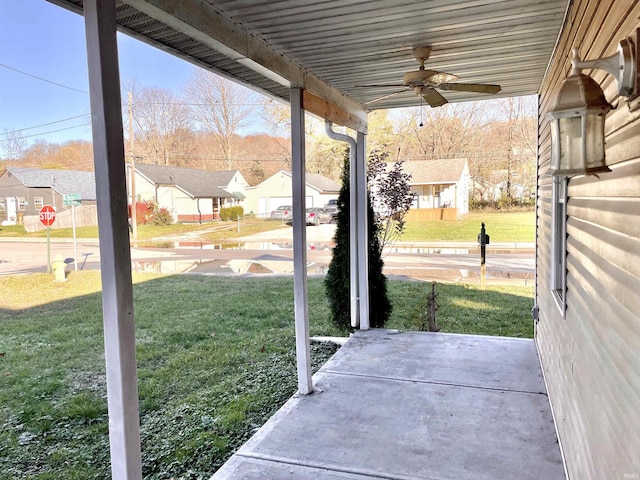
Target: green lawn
{"x": 501, "y": 227}
{"x": 216, "y": 231}
{"x": 215, "y": 354}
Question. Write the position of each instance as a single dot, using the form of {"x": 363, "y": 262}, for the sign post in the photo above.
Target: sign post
{"x": 73, "y": 199}
{"x": 47, "y": 217}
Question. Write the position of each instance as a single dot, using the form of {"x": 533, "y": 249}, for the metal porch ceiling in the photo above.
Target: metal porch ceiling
{"x": 346, "y": 43}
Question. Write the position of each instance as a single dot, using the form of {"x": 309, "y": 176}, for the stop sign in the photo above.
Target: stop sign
{"x": 47, "y": 215}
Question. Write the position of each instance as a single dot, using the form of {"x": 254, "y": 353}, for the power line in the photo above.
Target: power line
{"x": 43, "y": 79}
{"x": 45, "y": 124}
{"x": 51, "y": 131}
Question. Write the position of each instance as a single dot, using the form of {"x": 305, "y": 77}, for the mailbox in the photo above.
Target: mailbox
{"x": 483, "y": 238}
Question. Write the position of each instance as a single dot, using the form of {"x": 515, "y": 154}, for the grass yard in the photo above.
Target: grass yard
{"x": 215, "y": 354}
{"x": 215, "y": 231}
{"x": 501, "y": 227}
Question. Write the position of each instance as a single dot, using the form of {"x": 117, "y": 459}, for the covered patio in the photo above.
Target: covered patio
{"x": 389, "y": 405}
{"x": 412, "y": 405}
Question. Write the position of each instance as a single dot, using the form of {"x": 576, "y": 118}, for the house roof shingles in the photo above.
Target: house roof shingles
{"x": 61, "y": 181}
{"x": 439, "y": 171}
{"x": 314, "y": 180}
{"x": 322, "y": 183}
{"x": 196, "y": 183}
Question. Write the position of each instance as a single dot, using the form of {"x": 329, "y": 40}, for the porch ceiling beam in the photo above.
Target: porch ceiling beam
{"x": 203, "y": 22}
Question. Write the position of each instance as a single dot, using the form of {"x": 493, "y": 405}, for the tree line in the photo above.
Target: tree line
{"x": 216, "y": 124}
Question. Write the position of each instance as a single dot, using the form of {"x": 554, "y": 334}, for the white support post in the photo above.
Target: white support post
{"x": 115, "y": 255}
{"x": 303, "y": 353}
{"x": 363, "y": 232}
{"x": 353, "y": 236}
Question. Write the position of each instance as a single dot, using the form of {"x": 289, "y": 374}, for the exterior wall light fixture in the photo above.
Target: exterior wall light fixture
{"x": 578, "y": 115}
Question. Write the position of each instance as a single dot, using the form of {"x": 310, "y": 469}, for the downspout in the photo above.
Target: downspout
{"x": 353, "y": 220}
{"x": 199, "y": 212}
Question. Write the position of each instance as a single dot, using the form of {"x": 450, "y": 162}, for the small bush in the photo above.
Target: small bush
{"x": 231, "y": 213}
{"x": 504, "y": 204}
{"x": 162, "y": 217}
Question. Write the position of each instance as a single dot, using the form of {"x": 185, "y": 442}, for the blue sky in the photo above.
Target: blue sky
{"x": 47, "y": 41}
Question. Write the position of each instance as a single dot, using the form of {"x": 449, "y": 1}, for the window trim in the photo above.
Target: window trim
{"x": 22, "y": 204}
{"x": 36, "y": 201}
{"x": 3, "y": 205}
{"x": 559, "y": 243}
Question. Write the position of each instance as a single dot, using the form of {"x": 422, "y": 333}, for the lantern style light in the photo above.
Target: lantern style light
{"x": 578, "y": 115}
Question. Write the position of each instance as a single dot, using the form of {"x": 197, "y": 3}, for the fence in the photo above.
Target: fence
{"x": 426, "y": 214}
{"x": 86, "y": 216}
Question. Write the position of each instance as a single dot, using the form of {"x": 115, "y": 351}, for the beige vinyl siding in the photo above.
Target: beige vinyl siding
{"x": 591, "y": 359}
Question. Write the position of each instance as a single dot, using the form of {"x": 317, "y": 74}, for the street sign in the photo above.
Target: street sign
{"x": 47, "y": 215}
{"x": 72, "y": 199}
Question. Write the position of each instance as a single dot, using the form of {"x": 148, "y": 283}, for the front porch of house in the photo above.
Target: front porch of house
{"x": 412, "y": 405}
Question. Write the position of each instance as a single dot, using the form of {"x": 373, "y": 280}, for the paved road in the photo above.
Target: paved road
{"x": 268, "y": 257}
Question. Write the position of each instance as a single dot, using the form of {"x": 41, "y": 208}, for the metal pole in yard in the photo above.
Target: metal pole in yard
{"x": 48, "y": 249}
{"x": 483, "y": 255}
{"x": 75, "y": 243}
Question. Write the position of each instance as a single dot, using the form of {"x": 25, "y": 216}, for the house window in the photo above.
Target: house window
{"x": 22, "y": 204}
{"x": 3, "y": 205}
{"x": 559, "y": 242}
{"x": 38, "y": 202}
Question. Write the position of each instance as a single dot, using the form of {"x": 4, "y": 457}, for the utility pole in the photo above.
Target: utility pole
{"x": 134, "y": 216}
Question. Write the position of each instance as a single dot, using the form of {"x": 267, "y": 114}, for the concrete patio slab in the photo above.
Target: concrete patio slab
{"x": 412, "y": 405}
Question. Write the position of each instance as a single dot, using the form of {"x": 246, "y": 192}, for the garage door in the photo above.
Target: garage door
{"x": 275, "y": 202}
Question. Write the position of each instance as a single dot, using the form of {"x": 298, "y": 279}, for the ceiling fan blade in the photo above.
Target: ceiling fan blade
{"x": 387, "y": 96}
{"x": 434, "y": 99}
{"x": 470, "y": 87}
{"x": 395, "y": 85}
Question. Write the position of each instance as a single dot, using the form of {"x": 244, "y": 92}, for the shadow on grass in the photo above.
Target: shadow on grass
{"x": 215, "y": 360}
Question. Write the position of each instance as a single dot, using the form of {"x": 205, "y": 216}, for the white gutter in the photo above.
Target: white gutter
{"x": 353, "y": 220}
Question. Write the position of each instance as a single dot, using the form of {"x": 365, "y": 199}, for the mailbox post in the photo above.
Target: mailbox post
{"x": 483, "y": 240}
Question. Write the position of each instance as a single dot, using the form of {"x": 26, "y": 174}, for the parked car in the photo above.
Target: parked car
{"x": 283, "y": 213}
{"x": 333, "y": 211}
{"x": 316, "y": 216}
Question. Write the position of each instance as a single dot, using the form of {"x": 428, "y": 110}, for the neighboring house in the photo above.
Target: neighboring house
{"x": 489, "y": 192}
{"x": 190, "y": 195}
{"x": 516, "y": 191}
{"x": 24, "y": 191}
{"x": 481, "y": 190}
{"x": 440, "y": 187}
{"x": 276, "y": 190}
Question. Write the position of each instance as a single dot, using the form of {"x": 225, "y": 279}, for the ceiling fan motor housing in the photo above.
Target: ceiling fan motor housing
{"x": 417, "y": 77}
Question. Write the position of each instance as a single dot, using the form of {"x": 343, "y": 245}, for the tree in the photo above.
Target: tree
{"x": 162, "y": 126}
{"x": 13, "y": 144}
{"x": 277, "y": 118}
{"x": 221, "y": 107}
{"x": 392, "y": 197}
{"x": 337, "y": 279}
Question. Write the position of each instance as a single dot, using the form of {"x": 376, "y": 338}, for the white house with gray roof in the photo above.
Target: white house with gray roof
{"x": 24, "y": 191}
{"x": 440, "y": 188}
{"x": 276, "y": 190}
{"x": 191, "y": 195}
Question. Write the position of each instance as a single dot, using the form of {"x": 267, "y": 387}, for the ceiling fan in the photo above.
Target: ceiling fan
{"x": 426, "y": 83}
